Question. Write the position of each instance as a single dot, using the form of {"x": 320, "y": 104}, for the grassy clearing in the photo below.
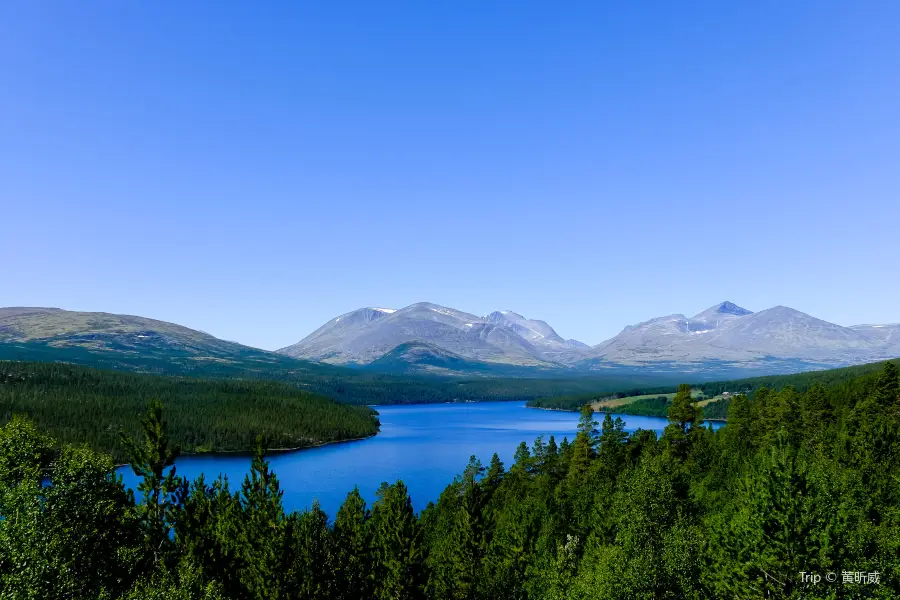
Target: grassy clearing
{"x": 703, "y": 403}
{"x": 607, "y": 403}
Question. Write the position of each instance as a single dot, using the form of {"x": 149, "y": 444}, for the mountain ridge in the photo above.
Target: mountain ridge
{"x": 724, "y": 336}
{"x": 427, "y": 338}
{"x": 502, "y": 337}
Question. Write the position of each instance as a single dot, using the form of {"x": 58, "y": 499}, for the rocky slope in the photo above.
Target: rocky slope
{"x": 364, "y": 335}
{"x": 730, "y": 335}
{"x": 428, "y": 338}
{"x": 723, "y": 337}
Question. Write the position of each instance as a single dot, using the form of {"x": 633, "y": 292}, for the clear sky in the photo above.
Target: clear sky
{"x": 255, "y": 169}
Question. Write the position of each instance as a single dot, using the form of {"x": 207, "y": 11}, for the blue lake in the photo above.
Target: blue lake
{"x": 425, "y": 445}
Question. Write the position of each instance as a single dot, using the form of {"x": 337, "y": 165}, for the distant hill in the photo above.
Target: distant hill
{"x": 138, "y": 344}
{"x": 127, "y": 338}
{"x": 724, "y": 340}
{"x": 420, "y": 358}
{"x": 778, "y": 339}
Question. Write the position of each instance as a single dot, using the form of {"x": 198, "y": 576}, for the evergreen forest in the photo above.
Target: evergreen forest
{"x": 80, "y": 405}
{"x": 798, "y": 483}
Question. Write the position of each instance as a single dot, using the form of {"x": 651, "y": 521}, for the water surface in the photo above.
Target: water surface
{"x": 425, "y": 445}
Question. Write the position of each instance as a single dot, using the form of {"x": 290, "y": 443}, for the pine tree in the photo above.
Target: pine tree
{"x": 396, "y": 545}
{"x": 684, "y": 419}
{"x": 154, "y": 461}
{"x": 210, "y": 533}
{"x": 611, "y": 445}
{"x": 586, "y": 423}
{"x": 263, "y": 530}
{"x": 353, "y": 560}
{"x": 309, "y": 544}
{"x": 738, "y": 441}
{"x": 887, "y": 387}
{"x": 494, "y": 474}
{"x": 787, "y": 414}
{"x": 817, "y": 413}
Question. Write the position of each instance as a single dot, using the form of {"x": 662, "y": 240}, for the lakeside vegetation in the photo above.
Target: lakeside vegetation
{"x": 796, "y": 482}
{"x": 658, "y": 406}
{"x": 80, "y": 405}
{"x": 714, "y": 397}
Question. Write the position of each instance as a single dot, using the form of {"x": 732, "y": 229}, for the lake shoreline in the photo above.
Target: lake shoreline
{"x": 425, "y": 445}
{"x": 606, "y": 412}
{"x": 268, "y": 451}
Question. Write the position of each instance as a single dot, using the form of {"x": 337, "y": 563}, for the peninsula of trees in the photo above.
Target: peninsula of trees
{"x": 80, "y": 405}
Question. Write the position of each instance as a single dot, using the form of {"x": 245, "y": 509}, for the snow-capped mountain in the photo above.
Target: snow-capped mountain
{"x": 722, "y": 337}
{"x": 727, "y": 333}
{"x": 367, "y": 334}
{"x": 541, "y": 335}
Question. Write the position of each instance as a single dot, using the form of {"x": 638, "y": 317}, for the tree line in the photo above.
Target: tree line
{"x": 795, "y": 483}
{"x": 345, "y": 384}
{"x": 747, "y": 386}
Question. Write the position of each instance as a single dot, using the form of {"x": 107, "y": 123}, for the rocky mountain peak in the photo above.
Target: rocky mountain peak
{"x": 723, "y": 309}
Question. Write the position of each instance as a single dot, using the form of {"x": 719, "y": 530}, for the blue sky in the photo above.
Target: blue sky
{"x": 254, "y": 169}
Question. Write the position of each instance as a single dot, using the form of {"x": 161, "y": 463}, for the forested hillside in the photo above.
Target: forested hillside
{"x": 799, "y": 381}
{"x": 795, "y": 483}
{"x": 652, "y": 407}
{"x": 353, "y": 386}
{"x": 81, "y": 405}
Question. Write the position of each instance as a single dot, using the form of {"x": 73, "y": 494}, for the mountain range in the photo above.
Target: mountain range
{"x": 424, "y": 338}
{"x": 722, "y": 338}
{"x": 367, "y": 334}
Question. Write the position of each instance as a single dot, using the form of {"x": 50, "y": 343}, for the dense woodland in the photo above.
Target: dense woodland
{"x": 82, "y": 405}
{"x": 795, "y": 482}
{"x": 349, "y": 385}
{"x": 654, "y": 407}
{"x": 799, "y": 381}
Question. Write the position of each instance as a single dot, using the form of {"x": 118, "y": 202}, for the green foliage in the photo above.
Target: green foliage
{"x": 655, "y": 406}
{"x": 685, "y": 420}
{"x": 798, "y": 481}
{"x": 150, "y": 460}
{"x": 345, "y": 384}
{"x": 574, "y": 402}
{"x": 185, "y": 583}
{"x": 82, "y": 405}
{"x": 397, "y": 553}
{"x": 75, "y": 534}
{"x": 263, "y": 530}
{"x": 312, "y": 572}
{"x": 800, "y": 381}
{"x": 25, "y": 453}
{"x": 352, "y": 541}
